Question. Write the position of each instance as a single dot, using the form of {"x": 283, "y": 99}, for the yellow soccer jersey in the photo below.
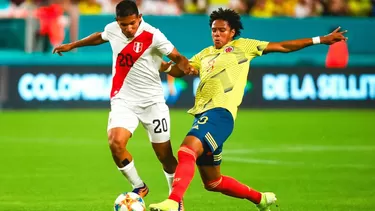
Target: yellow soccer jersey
{"x": 223, "y": 74}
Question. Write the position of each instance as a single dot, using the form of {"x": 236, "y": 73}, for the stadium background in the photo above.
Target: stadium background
{"x": 305, "y": 129}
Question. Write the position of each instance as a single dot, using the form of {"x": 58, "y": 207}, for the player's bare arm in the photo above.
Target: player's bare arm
{"x": 170, "y": 69}
{"x": 164, "y": 66}
{"x": 93, "y": 39}
{"x": 182, "y": 66}
{"x": 295, "y": 45}
{"x": 173, "y": 70}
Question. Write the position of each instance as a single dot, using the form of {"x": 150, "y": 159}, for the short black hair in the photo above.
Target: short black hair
{"x": 230, "y": 16}
{"x": 126, "y": 8}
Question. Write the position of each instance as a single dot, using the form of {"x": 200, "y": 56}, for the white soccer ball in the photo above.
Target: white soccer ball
{"x": 129, "y": 201}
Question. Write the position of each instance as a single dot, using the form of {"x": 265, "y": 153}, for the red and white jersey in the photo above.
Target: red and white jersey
{"x": 136, "y": 63}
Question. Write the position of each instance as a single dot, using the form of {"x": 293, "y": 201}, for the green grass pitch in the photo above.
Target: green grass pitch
{"x": 314, "y": 160}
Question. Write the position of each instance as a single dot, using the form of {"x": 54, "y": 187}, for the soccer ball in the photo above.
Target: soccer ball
{"x": 129, "y": 201}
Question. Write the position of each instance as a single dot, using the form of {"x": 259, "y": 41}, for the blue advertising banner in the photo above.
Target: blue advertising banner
{"x": 89, "y": 87}
{"x": 312, "y": 87}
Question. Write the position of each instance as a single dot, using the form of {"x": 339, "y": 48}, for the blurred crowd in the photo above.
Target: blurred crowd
{"x": 47, "y": 20}
{"x": 255, "y": 8}
{"x": 305, "y": 8}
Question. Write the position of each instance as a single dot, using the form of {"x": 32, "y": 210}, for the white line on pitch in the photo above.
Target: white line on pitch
{"x": 296, "y": 163}
{"x": 303, "y": 148}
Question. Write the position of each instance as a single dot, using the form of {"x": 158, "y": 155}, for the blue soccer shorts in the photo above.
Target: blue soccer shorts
{"x": 212, "y": 128}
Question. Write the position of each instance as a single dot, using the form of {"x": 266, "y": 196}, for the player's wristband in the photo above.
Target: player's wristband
{"x": 169, "y": 69}
{"x": 316, "y": 40}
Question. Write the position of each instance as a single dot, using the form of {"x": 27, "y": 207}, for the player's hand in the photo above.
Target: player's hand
{"x": 62, "y": 48}
{"x": 334, "y": 37}
{"x": 190, "y": 71}
{"x": 164, "y": 66}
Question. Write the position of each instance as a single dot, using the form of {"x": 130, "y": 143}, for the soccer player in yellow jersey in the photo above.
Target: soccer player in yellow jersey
{"x": 223, "y": 70}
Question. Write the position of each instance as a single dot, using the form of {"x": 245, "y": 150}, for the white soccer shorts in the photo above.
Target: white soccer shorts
{"x": 154, "y": 118}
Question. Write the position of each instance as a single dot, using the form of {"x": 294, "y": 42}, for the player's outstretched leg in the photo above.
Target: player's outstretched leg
{"x": 187, "y": 156}
{"x": 231, "y": 187}
{"x": 118, "y": 138}
{"x": 165, "y": 155}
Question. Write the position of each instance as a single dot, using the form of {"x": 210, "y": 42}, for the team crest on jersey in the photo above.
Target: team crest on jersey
{"x": 137, "y": 47}
{"x": 228, "y": 49}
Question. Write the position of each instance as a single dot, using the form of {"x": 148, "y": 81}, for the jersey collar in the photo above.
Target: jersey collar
{"x": 224, "y": 46}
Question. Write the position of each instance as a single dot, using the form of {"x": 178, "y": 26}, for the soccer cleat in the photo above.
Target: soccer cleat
{"x": 142, "y": 191}
{"x": 181, "y": 206}
{"x": 267, "y": 200}
{"x": 166, "y": 205}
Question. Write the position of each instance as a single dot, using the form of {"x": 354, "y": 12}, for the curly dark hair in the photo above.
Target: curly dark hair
{"x": 230, "y": 16}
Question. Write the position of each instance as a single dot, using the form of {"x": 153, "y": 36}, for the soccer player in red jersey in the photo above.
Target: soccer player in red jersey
{"x": 137, "y": 95}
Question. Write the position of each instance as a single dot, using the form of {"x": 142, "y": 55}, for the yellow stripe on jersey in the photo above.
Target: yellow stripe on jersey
{"x": 211, "y": 141}
{"x": 223, "y": 74}
{"x": 217, "y": 157}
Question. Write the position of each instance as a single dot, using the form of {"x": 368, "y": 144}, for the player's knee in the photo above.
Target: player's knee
{"x": 214, "y": 186}
{"x": 186, "y": 151}
{"x": 212, "y": 189}
{"x": 208, "y": 188}
{"x": 117, "y": 141}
